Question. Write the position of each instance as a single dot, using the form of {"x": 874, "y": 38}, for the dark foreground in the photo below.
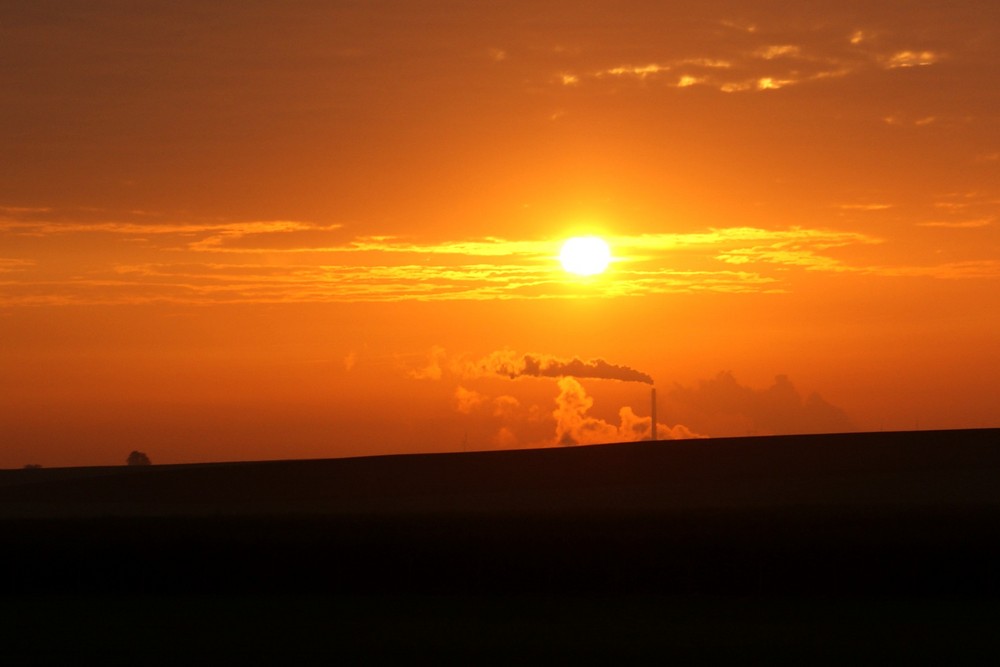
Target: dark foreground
{"x": 877, "y": 544}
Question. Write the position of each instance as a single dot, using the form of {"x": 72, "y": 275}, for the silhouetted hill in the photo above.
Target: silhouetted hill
{"x": 915, "y": 469}
{"x": 876, "y": 541}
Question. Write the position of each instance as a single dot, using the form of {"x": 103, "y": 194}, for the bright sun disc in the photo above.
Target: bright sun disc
{"x": 585, "y": 255}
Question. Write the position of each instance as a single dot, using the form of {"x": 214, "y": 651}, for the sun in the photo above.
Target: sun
{"x": 585, "y": 255}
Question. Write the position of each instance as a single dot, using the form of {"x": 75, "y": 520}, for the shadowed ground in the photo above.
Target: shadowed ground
{"x": 784, "y": 543}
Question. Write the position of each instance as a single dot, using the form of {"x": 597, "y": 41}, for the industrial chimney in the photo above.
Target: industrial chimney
{"x": 653, "y": 413}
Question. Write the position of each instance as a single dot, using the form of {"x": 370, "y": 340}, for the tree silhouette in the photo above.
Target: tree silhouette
{"x": 137, "y": 458}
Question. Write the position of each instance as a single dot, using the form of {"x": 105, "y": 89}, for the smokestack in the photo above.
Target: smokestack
{"x": 652, "y": 393}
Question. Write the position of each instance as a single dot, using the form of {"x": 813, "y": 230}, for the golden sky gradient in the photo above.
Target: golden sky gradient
{"x": 256, "y": 229}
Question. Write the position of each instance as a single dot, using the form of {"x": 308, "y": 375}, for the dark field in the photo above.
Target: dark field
{"x": 879, "y": 543}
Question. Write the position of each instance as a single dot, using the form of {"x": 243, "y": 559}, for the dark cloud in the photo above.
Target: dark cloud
{"x": 724, "y": 407}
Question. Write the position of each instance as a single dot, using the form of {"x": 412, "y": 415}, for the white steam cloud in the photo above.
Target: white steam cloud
{"x": 575, "y": 427}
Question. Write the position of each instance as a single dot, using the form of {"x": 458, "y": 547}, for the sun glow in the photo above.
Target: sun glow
{"x": 585, "y": 255}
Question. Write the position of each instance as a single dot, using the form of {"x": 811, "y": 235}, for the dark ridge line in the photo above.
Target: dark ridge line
{"x": 748, "y": 440}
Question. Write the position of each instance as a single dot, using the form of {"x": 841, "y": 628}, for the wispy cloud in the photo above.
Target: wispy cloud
{"x": 778, "y": 51}
{"x": 872, "y": 206}
{"x": 295, "y": 261}
{"x": 820, "y": 238}
{"x": 640, "y": 71}
{"x": 812, "y": 261}
{"x": 968, "y": 270}
{"x": 962, "y": 210}
{"x": 958, "y": 224}
{"x": 904, "y": 121}
{"x": 22, "y": 210}
{"x": 757, "y": 62}
{"x": 10, "y": 265}
{"x": 194, "y": 235}
{"x": 910, "y": 59}
{"x": 739, "y": 26}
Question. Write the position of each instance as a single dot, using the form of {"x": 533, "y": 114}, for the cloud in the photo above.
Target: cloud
{"x": 806, "y": 251}
{"x": 778, "y": 51}
{"x": 784, "y": 65}
{"x": 751, "y": 58}
{"x": 467, "y": 400}
{"x": 287, "y": 261}
{"x": 575, "y": 427}
{"x": 739, "y": 26}
{"x": 434, "y": 369}
{"x": 874, "y": 206}
{"x": 921, "y": 121}
{"x": 505, "y": 438}
{"x": 988, "y": 269}
{"x": 810, "y": 260}
{"x": 195, "y": 235}
{"x": 864, "y": 207}
{"x": 10, "y": 265}
{"x": 22, "y": 210}
{"x": 350, "y": 360}
{"x": 797, "y": 257}
{"x": 505, "y": 406}
{"x": 910, "y": 59}
{"x": 707, "y": 63}
{"x": 718, "y": 407}
{"x": 722, "y": 406}
{"x": 572, "y": 423}
{"x": 727, "y": 236}
{"x": 639, "y": 71}
{"x": 958, "y": 224}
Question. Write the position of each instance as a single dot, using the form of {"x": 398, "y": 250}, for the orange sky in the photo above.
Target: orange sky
{"x": 254, "y": 230}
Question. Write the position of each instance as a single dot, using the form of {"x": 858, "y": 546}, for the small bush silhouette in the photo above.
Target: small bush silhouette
{"x": 138, "y": 458}
{"x": 32, "y": 466}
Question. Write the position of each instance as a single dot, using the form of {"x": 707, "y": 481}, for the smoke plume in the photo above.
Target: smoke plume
{"x": 506, "y": 363}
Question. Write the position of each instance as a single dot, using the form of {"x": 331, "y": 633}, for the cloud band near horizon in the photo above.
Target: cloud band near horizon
{"x": 58, "y": 262}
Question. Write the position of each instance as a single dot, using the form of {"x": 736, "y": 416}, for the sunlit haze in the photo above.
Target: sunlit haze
{"x": 266, "y": 230}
